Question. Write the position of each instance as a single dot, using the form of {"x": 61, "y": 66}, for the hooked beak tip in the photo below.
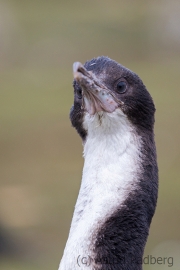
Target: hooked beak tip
{"x": 77, "y": 66}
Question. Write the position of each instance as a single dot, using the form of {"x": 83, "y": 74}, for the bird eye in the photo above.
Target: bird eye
{"x": 79, "y": 92}
{"x": 121, "y": 87}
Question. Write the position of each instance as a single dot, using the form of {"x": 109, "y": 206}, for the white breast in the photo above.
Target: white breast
{"x": 112, "y": 163}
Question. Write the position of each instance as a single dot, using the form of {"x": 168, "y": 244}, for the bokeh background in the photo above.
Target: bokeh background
{"x": 40, "y": 153}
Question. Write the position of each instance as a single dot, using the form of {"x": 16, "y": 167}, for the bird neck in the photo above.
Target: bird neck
{"x": 109, "y": 226}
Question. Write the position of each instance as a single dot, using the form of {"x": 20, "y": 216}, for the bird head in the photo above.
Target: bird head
{"x": 104, "y": 87}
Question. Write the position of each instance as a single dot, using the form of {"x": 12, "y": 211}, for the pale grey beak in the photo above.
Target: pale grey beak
{"x": 96, "y": 96}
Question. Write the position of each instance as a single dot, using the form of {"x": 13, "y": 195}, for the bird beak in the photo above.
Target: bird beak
{"x": 96, "y": 96}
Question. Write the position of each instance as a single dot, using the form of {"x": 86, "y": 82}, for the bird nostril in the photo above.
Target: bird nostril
{"x": 82, "y": 70}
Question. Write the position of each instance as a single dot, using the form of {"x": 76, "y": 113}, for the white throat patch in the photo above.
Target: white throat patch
{"x": 112, "y": 164}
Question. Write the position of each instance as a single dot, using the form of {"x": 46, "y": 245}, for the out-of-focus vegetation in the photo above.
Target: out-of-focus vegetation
{"x": 41, "y": 155}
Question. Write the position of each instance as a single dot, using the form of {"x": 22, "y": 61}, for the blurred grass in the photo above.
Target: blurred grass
{"x": 40, "y": 154}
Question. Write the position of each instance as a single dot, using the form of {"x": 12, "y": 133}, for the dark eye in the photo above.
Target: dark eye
{"x": 121, "y": 87}
{"x": 79, "y": 92}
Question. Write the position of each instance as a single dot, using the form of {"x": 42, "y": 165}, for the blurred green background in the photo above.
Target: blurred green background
{"x": 40, "y": 153}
